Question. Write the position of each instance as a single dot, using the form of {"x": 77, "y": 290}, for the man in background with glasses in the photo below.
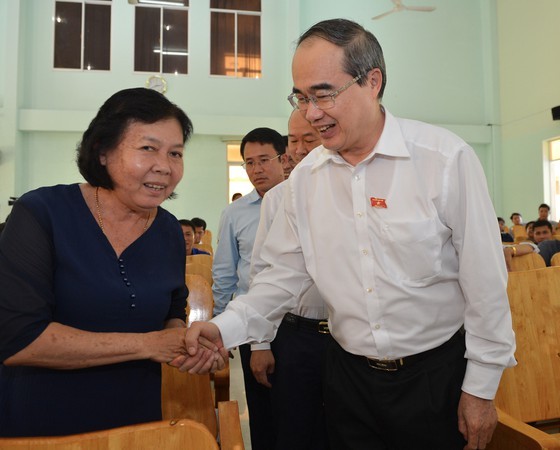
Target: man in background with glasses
{"x": 263, "y": 154}
{"x": 412, "y": 200}
{"x": 291, "y": 366}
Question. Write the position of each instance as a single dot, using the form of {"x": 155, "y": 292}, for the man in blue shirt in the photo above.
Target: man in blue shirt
{"x": 263, "y": 153}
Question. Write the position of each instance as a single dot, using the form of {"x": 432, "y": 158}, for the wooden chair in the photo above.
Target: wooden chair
{"x": 555, "y": 260}
{"x": 207, "y": 237}
{"x": 529, "y": 393}
{"x": 190, "y": 396}
{"x": 527, "y": 262}
{"x": 200, "y": 305}
{"x": 165, "y": 434}
{"x": 518, "y": 231}
{"x": 206, "y": 260}
{"x": 200, "y": 302}
{"x": 206, "y": 247}
{"x": 200, "y": 269}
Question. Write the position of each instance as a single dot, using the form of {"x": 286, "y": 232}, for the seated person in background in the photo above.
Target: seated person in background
{"x": 542, "y": 231}
{"x": 543, "y": 238}
{"x": 199, "y": 229}
{"x": 529, "y": 230}
{"x": 288, "y": 163}
{"x": 547, "y": 249}
{"x": 544, "y": 212}
{"x": 506, "y": 237}
{"x": 517, "y": 230}
{"x": 189, "y": 234}
{"x": 236, "y": 196}
{"x": 93, "y": 279}
{"x": 516, "y": 219}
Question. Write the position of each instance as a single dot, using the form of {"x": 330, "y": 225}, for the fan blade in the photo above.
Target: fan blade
{"x": 420, "y": 8}
{"x": 384, "y": 14}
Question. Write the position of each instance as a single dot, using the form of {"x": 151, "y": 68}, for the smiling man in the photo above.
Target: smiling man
{"x": 421, "y": 330}
{"x": 263, "y": 153}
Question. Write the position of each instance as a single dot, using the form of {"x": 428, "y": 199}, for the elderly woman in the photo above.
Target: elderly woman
{"x": 93, "y": 294}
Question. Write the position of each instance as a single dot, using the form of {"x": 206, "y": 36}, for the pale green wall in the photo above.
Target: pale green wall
{"x": 55, "y": 106}
{"x": 443, "y": 67}
{"x": 529, "y": 81}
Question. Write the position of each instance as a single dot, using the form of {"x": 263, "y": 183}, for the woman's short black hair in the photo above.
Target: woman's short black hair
{"x": 107, "y": 128}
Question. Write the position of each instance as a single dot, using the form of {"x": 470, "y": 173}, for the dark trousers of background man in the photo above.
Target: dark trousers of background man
{"x": 297, "y": 391}
{"x": 414, "y": 407}
{"x": 263, "y": 433}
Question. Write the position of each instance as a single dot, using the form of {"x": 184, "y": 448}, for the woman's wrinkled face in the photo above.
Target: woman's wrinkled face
{"x": 147, "y": 164}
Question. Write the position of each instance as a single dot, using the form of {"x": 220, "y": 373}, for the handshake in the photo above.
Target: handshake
{"x": 201, "y": 351}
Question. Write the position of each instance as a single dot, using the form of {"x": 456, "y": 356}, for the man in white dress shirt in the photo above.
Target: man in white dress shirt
{"x": 413, "y": 202}
{"x": 263, "y": 153}
{"x": 292, "y": 368}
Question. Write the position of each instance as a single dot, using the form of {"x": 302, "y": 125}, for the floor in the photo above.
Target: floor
{"x": 237, "y": 392}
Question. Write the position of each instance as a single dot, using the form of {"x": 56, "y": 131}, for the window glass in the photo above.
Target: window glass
{"x": 67, "y": 35}
{"x": 161, "y": 39}
{"x": 222, "y": 44}
{"x": 242, "y": 5}
{"x": 146, "y": 42}
{"x": 97, "y": 38}
{"x": 235, "y": 40}
{"x": 175, "y": 41}
{"x": 249, "y": 46}
{"x": 82, "y": 35}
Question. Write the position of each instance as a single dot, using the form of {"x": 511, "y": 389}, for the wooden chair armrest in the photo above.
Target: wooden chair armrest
{"x": 230, "y": 426}
{"x": 512, "y": 434}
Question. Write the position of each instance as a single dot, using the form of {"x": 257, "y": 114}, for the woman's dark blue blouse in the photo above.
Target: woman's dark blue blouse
{"x": 56, "y": 265}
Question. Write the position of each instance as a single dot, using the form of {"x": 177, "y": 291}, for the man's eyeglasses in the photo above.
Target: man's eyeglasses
{"x": 301, "y": 103}
{"x": 262, "y": 162}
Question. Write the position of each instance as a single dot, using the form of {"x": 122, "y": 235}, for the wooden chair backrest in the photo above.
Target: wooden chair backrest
{"x": 200, "y": 305}
{"x": 200, "y": 269}
{"x": 206, "y": 247}
{"x": 518, "y": 230}
{"x": 207, "y": 237}
{"x": 165, "y": 434}
{"x": 200, "y": 302}
{"x": 184, "y": 395}
{"x": 530, "y": 391}
{"x": 527, "y": 262}
{"x": 555, "y": 260}
{"x": 206, "y": 260}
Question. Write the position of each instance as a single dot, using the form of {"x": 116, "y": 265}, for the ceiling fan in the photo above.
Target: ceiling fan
{"x": 400, "y": 7}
